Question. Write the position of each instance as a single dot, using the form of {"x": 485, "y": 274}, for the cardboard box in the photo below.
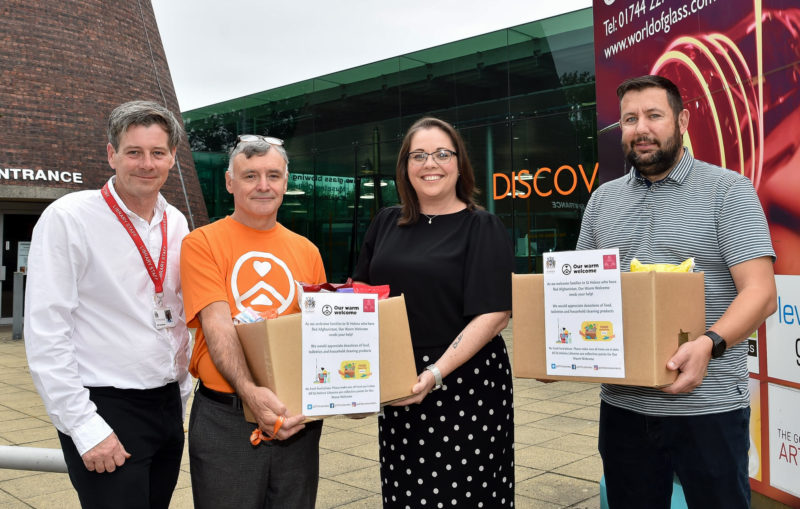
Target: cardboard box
{"x": 659, "y": 311}
{"x": 273, "y": 349}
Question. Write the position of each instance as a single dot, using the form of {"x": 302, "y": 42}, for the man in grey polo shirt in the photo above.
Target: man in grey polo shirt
{"x": 670, "y": 207}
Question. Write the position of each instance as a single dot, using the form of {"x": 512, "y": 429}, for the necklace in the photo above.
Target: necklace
{"x": 430, "y": 218}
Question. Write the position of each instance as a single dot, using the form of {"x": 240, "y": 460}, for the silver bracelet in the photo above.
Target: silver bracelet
{"x": 437, "y": 376}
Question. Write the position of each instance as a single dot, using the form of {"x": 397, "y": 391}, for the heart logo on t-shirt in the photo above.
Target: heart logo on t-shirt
{"x": 262, "y": 267}
{"x": 263, "y": 281}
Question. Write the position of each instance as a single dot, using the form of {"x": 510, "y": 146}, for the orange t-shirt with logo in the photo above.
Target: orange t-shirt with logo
{"x": 230, "y": 262}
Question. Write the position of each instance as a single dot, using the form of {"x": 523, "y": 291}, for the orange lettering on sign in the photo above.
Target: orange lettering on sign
{"x": 494, "y": 186}
{"x": 539, "y": 178}
{"x": 543, "y": 169}
{"x": 574, "y": 180}
{"x": 522, "y": 183}
{"x": 589, "y": 184}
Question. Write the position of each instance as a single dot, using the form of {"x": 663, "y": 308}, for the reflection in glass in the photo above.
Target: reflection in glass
{"x": 523, "y": 99}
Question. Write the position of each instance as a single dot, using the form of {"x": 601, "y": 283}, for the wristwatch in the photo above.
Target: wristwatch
{"x": 719, "y": 344}
{"x": 437, "y": 376}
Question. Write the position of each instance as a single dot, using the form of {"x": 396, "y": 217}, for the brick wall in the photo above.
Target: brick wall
{"x": 63, "y": 67}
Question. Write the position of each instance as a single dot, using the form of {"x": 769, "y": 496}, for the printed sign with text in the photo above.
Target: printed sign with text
{"x": 341, "y": 370}
{"x": 784, "y": 438}
{"x": 583, "y": 313}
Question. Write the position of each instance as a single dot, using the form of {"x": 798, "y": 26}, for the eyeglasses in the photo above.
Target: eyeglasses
{"x": 441, "y": 156}
{"x": 257, "y": 137}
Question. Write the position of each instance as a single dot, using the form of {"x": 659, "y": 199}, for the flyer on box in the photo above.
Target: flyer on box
{"x": 340, "y": 368}
{"x": 583, "y": 313}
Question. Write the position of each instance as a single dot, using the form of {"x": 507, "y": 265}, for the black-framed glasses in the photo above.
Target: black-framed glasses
{"x": 441, "y": 156}
{"x": 257, "y": 137}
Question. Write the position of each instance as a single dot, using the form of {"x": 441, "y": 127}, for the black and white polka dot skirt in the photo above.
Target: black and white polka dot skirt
{"x": 456, "y": 448}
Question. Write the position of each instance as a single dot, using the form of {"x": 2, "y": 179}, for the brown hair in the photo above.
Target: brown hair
{"x": 143, "y": 113}
{"x": 465, "y": 186}
{"x": 653, "y": 81}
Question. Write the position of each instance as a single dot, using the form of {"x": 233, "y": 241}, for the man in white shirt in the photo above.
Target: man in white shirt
{"x": 105, "y": 331}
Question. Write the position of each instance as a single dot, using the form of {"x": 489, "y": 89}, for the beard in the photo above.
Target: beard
{"x": 658, "y": 162}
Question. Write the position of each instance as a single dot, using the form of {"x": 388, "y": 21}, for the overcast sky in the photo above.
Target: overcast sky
{"x": 219, "y": 50}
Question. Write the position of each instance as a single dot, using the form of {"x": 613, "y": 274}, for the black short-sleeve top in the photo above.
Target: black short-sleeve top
{"x": 451, "y": 269}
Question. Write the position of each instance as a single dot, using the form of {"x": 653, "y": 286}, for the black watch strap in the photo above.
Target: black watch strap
{"x": 719, "y": 344}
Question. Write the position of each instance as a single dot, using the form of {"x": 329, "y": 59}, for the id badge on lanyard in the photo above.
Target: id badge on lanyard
{"x": 163, "y": 316}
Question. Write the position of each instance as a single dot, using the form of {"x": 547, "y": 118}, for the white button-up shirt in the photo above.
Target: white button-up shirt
{"x": 89, "y": 309}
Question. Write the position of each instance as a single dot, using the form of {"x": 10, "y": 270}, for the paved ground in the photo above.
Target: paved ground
{"x": 557, "y": 465}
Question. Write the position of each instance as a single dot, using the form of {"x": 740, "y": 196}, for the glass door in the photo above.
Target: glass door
{"x": 15, "y": 231}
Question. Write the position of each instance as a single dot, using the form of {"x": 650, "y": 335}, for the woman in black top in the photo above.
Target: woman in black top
{"x": 453, "y": 261}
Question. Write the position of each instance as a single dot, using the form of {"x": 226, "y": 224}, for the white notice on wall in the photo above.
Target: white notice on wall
{"x": 341, "y": 372}
{"x": 783, "y": 331}
{"x": 583, "y": 314}
{"x": 23, "y": 248}
{"x": 784, "y": 438}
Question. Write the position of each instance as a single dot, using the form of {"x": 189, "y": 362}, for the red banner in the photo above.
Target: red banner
{"x": 737, "y": 64}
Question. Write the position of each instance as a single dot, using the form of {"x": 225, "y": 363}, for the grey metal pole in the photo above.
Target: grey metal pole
{"x": 32, "y": 458}
{"x": 17, "y": 309}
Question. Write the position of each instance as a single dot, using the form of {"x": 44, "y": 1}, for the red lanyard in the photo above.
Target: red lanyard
{"x": 157, "y": 275}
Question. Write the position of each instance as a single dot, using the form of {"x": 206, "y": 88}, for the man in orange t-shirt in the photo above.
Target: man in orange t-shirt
{"x": 246, "y": 260}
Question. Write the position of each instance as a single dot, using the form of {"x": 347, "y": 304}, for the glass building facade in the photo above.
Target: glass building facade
{"x": 523, "y": 98}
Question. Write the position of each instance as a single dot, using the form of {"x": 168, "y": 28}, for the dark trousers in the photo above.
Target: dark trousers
{"x": 708, "y": 453}
{"x": 227, "y": 471}
{"x": 149, "y": 424}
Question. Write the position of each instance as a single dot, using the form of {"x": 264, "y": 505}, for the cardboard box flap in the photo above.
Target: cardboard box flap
{"x": 273, "y": 352}
{"x": 637, "y": 288}
{"x": 684, "y": 295}
{"x": 527, "y": 324}
{"x": 397, "y": 358}
{"x": 251, "y": 337}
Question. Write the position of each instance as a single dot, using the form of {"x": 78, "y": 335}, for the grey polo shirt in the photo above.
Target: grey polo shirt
{"x": 699, "y": 210}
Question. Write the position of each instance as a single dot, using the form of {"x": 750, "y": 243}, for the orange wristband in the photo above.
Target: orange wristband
{"x": 259, "y": 436}
{"x": 278, "y": 425}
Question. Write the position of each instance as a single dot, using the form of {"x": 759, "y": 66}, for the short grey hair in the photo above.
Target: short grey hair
{"x": 144, "y": 113}
{"x": 256, "y": 148}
